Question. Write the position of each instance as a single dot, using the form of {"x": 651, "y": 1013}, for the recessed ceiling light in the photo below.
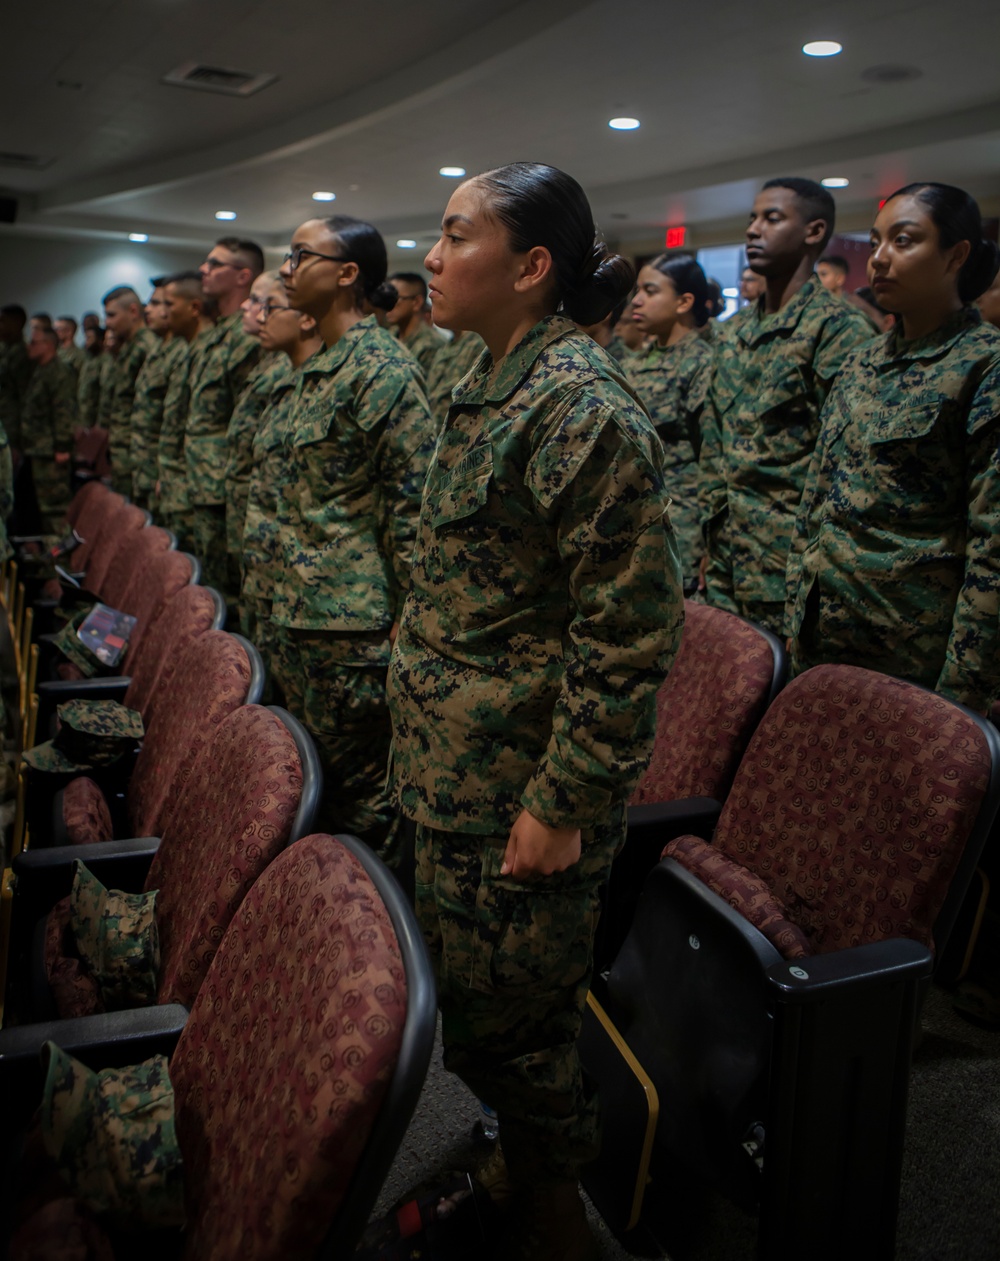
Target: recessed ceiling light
{"x": 822, "y": 48}
{"x": 406, "y": 244}
{"x": 835, "y": 181}
{"x": 623, "y": 124}
{"x": 324, "y": 196}
{"x": 138, "y": 236}
{"x": 452, "y": 172}
{"x": 730, "y": 293}
{"x": 225, "y": 214}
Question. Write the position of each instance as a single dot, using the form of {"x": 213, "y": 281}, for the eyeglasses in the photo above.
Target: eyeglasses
{"x": 268, "y": 308}
{"x": 253, "y": 300}
{"x": 298, "y": 252}
{"x": 213, "y": 264}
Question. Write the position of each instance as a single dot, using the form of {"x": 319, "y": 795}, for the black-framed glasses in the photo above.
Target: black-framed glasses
{"x": 298, "y": 252}
{"x": 268, "y": 308}
{"x": 213, "y": 264}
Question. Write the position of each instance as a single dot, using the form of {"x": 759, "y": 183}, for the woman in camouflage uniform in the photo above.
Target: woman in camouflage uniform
{"x": 893, "y": 562}
{"x": 544, "y": 610}
{"x": 671, "y": 374}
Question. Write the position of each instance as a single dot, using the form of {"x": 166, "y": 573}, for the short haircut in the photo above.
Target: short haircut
{"x": 188, "y": 284}
{"x": 14, "y": 312}
{"x": 44, "y": 318}
{"x": 249, "y": 252}
{"x": 157, "y": 281}
{"x": 50, "y": 335}
{"x": 835, "y": 260}
{"x": 91, "y": 319}
{"x": 121, "y": 293}
{"x": 814, "y": 202}
{"x": 67, "y": 319}
{"x": 411, "y": 278}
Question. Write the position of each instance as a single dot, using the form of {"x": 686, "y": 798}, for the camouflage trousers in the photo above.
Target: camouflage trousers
{"x": 767, "y": 613}
{"x": 687, "y": 531}
{"x": 179, "y": 523}
{"x": 513, "y": 962}
{"x": 335, "y": 684}
{"x": 208, "y": 526}
{"x": 121, "y": 467}
{"x": 719, "y": 568}
{"x": 53, "y": 491}
{"x": 255, "y": 624}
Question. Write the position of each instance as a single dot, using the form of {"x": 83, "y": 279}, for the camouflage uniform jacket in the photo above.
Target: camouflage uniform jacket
{"x": 105, "y": 388}
{"x": 88, "y": 390}
{"x": 147, "y": 411}
{"x": 450, "y": 365}
{"x": 74, "y": 357}
{"x": 772, "y": 375}
{"x": 261, "y": 559}
{"x": 171, "y": 466}
{"x": 424, "y": 345}
{"x": 270, "y": 371}
{"x": 49, "y": 415}
{"x": 898, "y": 528}
{"x": 15, "y": 369}
{"x": 117, "y": 410}
{"x": 225, "y": 367}
{"x": 357, "y": 444}
{"x": 545, "y": 605}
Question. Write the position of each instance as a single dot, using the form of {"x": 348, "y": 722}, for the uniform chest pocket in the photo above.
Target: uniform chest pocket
{"x": 465, "y": 492}
{"x": 903, "y": 424}
{"x": 309, "y": 427}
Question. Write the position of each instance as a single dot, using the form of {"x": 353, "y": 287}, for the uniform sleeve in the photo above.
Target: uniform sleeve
{"x": 971, "y": 670}
{"x": 814, "y": 494}
{"x": 65, "y": 415}
{"x": 242, "y": 358}
{"x": 839, "y": 337}
{"x": 615, "y": 540}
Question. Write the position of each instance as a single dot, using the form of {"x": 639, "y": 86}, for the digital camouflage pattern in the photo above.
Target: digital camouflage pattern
{"x": 6, "y": 499}
{"x": 424, "y": 345}
{"x": 105, "y": 393}
{"x": 451, "y": 363}
{"x": 357, "y": 443}
{"x": 88, "y": 389}
{"x": 760, "y": 425}
{"x": 545, "y": 603}
{"x": 112, "y": 1136}
{"x": 513, "y": 961}
{"x": 116, "y": 938}
{"x": 171, "y": 465}
{"x": 151, "y": 388}
{"x": 673, "y": 383}
{"x": 15, "y": 369}
{"x": 117, "y": 399}
{"x": 894, "y": 558}
{"x": 48, "y": 420}
{"x": 246, "y": 418}
{"x": 90, "y": 733}
{"x": 74, "y": 357}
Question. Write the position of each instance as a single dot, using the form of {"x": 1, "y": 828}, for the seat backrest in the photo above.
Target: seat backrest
{"x": 726, "y": 673}
{"x": 161, "y": 577}
{"x": 235, "y": 813}
{"x": 212, "y": 678}
{"x": 309, "y": 1016}
{"x": 88, "y": 494}
{"x": 91, "y": 524}
{"x": 855, "y": 804}
{"x": 129, "y": 565}
{"x": 126, "y": 520}
{"x": 182, "y": 618}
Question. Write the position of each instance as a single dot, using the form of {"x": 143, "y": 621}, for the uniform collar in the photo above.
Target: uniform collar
{"x": 477, "y": 388}
{"x": 333, "y": 357}
{"x": 893, "y": 349}
{"x": 757, "y": 325}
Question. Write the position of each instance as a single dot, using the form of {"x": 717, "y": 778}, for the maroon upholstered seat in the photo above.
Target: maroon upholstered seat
{"x": 129, "y": 565}
{"x": 159, "y": 578}
{"x": 124, "y": 520}
{"x": 87, "y": 495}
{"x": 181, "y": 619}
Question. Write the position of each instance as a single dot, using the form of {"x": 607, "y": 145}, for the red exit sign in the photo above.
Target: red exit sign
{"x": 676, "y": 238}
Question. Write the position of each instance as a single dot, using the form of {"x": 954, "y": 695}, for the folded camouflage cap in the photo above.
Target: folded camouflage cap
{"x": 91, "y": 733}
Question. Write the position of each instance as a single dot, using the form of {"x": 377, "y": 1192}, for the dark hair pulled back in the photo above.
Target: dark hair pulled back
{"x": 956, "y": 217}
{"x": 686, "y": 276}
{"x": 541, "y": 205}
{"x": 361, "y": 243}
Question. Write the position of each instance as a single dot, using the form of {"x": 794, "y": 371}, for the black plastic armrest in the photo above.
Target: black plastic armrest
{"x": 693, "y": 814}
{"x": 877, "y": 964}
{"x": 43, "y": 876}
{"x": 100, "y": 689}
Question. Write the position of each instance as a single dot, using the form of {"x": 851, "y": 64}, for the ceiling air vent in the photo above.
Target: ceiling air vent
{"x": 25, "y": 161}
{"x": 193, "y": 74}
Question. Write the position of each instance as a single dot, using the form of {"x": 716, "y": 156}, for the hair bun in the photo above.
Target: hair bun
{"x": 979, "y": 271}
{"x": 602, "y": 281}
{"x": 383, "y": 297}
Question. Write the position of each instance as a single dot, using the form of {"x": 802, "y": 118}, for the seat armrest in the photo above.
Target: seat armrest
{"x": 52, "y": 693}
{"x": 690, "y": 816}
{"x": 120, "y": 864}
{"x": 875, "y": 965}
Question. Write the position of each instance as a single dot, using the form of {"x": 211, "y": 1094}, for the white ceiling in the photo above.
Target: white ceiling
{"x": 372, "y": 98}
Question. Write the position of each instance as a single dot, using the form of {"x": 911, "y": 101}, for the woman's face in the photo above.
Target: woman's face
{"x": 473, "y": 269}
{"x": 314, "y": 281}
{"x": 279, "y": 325}
{"x": 250, "y": 305}
{"x": 907, "y": 268}
{"x": 657, "y": 306}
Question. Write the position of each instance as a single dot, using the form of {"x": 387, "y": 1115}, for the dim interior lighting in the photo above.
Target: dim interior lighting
{"x": 623, "y": 124}
{"x": 138, "y": 236}
{"x": 730, "y": 293}
{"x": 452, "y": 172}
{"x": 822, "y": 48}
{"x": 407, "y": 244}
{"x": 324, "y": 196}
{"x": 225, "y": 214}
{"x": 835, "y": 181}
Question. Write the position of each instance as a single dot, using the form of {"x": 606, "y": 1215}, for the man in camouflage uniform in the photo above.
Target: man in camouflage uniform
{"x": 15, "y": 369}
{"x": 544, "y": 611}
{"x": 69, "y": 352}
{"x": 406, "y": 319}
{"x": 451, "y": 363}
{"x": 228, "y": 359}
{"x": 125, "y": 318}
{"x": 150, "y": 395}
{"x": 893, "y": 563}
{"x": 48, "y": 419}
{"x": 773, "y": 371}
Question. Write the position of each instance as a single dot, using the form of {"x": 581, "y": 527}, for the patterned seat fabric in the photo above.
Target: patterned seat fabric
{"x": 99, "y": 509}
{"x": 707, "y": 707}
{"x": 85, "y": 813}
{"x": 181, "y": 619}
{"x": 126, "y": 519}
{"x": 129, "y": 566}
{"x": 286, "y": 1056}
{"x": 158, "y": 578}
{"x": 853, "y": 805}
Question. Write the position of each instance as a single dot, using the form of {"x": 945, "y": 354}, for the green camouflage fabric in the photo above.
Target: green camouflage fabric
{"x": 513, "y": 961}
{"x": 116, "y": 937}
{"x": 171, "y": 466}
{"x": 88, "y": 389}
{"x": 621, "y": 354}
{"x": 117, "y": 407}
{"x": 105, "y": 393}
{"x": 545, "y": 603}
{"x": 15, "y": 369}
{"x": 151, "y": 386}
{"x": 270, "y": 372}
{"x": 424, "y": 345}
{"x": 112, "y": 1136}
{"x": 225, "y": 361}
{"x": 673, "y": 383}
{"x": 48, "y": 420}
{"x": 893, "y": 564}
{"x": 450, "y": 364}
{"x": 65, "y": 641}
{"x": 761, "y": 421}
{"x": 90, "y": 733}
{"x": 357, "y": 443}
{"x": 6, "y": 493}
{"x": 74, "y": 357}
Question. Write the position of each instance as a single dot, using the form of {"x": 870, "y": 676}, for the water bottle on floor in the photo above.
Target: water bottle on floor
{"x": 487, "y": 1126}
